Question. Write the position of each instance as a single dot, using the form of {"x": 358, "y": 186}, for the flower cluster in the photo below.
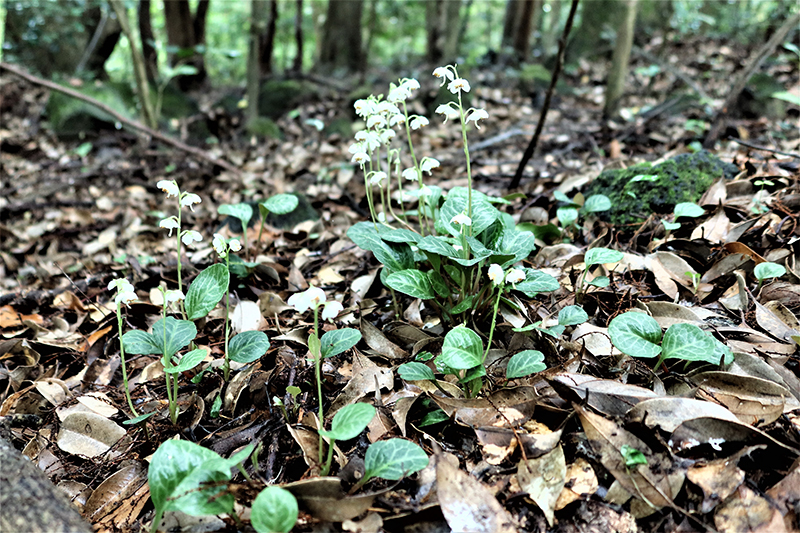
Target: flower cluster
{"x": 513, "y": 276}
{"x": 185, "y": 199}
{"x": 223, "y": 246}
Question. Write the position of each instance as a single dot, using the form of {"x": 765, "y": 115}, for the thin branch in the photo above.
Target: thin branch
{"x": 763, "y": 148}
{"x": 138, "y": 126}
{"x": 562, "y": 49}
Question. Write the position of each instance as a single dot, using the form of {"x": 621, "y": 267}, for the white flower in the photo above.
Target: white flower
{"x": 448, "y": 112}
{"x": 170, "y": 223}
{"x": 399, "y": 94}
{"x": 443, "y": 73}
{"x": 515, "y": 275}
{"x": 476, "y": 115}
{"x": 360, "y": 158}
{"x": 125, "y": 297}
{"x": 377, "y": 178}
{"x": 120, "y": 284}
{"x": 173, "y": 296}
{"x": 388, "y": 108}
{"x": 364, "y": 108}
{"x": 411, "y": 174}
{"x": 376, "y": 121}
{"x": 418, "y": 122}
{"x": 356, "y": 147}
{"x": 386, "y": 136}
{"x": 410, "y": 84}
{"x": 425, "y": 192}
{"x": 428, "y": 163}
{"x": 310, "y": 298}
{"x": 190, "y": 237}
{"x": 234, "y": 245}
{"x": 370, "y": 140}
{"x": 496, "y": 274}
{"x": 219, "y": 244}
{"x": 458, "y": 84}
{"x": 332, "y": 310}
{"x": 461, "y": 219}
{"x": 170, "y": 187}
{"x": 396, "y": 120}
{"x": 189, "y": 200}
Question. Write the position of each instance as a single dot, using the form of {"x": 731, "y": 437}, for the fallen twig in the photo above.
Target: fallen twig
{"x": 763, "y": 148}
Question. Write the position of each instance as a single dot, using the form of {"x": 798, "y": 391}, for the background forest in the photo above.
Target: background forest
{"x": 399, "y": 265}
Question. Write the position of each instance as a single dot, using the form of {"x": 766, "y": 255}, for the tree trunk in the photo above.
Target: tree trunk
{"x": 105, "y": 32}
{"x": 372, "y": 27}
{"x": 619, "y": 63}
{"x": 186, "y": 32}
{"x": 258, "y": 10}
{"x": 341, "y": 36}
{"x": 442, "y": 18}
{"x": 266, "y": 41}
{"x": 297, "y": 66}
{"x": 595, "y": 15}
{"x": 522, "y": 17}
{"x": 550, "y": 35}
{"x": 148, "y": 115}
{"x": 148, "y": 41}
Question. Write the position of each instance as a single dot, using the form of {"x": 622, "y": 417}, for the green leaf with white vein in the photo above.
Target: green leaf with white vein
{"x": 400, "y": 235}
{"x": 248, "y": 346}
{"x": 525, "y": 363}
{"x": 394, "y": 256}
{"x": 602, "y": 256}
{"x": 206, "y": 291}
{"x": 411, "y": 282}
{"x": 438, "y": 283}
{"x": 188, "y": 361}
{"x": 338, "y": 341}
{"x": 518, "y": 244}
{"x": 462, "y": 349}
{"x": 483, "y": 212}
{"x": 635, "y": 334}
{"x": 394, "y": 459}
{"x": 274, "y": 511}
{"x": 173, "y": 334}
{"x": 350, "y": 421}
{"x": 138, "y": 342}
{"x": 280, "y": 204}
{"x": 437, "y": 245}
{"x": 572, "y": 315}
{"x": 414, "y": 371}
{"x": 242, "y": 211}
{"x": 535, "y": 282}
{"x": 689, "y": 343}
{"x": 567, "y": 215}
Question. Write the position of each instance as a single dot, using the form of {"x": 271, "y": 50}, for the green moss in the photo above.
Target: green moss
{"x": 71, "y": 118}
{"x": 265, "y": 127}
{"x": 684, "y": 178}
{"x": 281, "y": 96}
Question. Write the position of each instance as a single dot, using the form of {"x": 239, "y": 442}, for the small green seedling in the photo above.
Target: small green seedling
{"x": 243, "y": 212}
{"x": 391, "y": 459}
{"x": 695, "y": 277}
{"x": 632, "y": 456}
{"x": 683, "y": 209}
{"x": 767, "y": 270}
{"x": 596, "y": 256}
{"x": 186, "y": 477}
{"x": 639, "y": 335}
{"x": 568, "y": 214}
{"x": 280, "y": 204}
{"x": 347, "y": 423}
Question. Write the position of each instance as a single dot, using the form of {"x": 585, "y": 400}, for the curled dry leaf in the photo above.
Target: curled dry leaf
{"x": 719, "y": 478}
{"x": 747, "y": 511}
{"x": 543, "y": 479}
{"x": 88, "y": 434}
{"x": 669, "y": 413}
{"x": 581, "y": 481}
{"x": 116, "y": 492}
{"x": 608, "y": 396}
{"x": 754, "y": 401}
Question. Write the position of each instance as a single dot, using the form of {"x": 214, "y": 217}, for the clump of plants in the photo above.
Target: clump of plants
{"x": 440, "y": 246}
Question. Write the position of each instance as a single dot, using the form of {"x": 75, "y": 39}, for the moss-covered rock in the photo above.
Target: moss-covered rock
{"x": 265, "y": 127}
{"x": 281, "y": 96}
{"x": 640, "y": 190}
{"x": 71, "y": 118}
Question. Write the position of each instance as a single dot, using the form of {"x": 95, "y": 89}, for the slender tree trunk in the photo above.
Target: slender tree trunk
{"x": 258, "y": 10}
{"x": 442, "y": 30}
{"x": 619, "y": 63}
{"x": 142, "y": 86}
{"x": 266, "y": 41}
{"x": 462, "y": 28}
{"x": 521, "y": 19}
{"x": 186, "y": 32}
{"x": 298, "y": 38}
{"x": 372, "y": 26}
{"x": 148, "y": 40}
{"x": 341, "y": 36}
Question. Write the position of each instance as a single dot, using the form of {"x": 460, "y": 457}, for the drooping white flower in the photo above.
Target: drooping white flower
{"x": 377, "y": 178}
{"x": 428, "y": 163}
{"x": 190, "y": 237}
{"x": 364, "y": 108}
{"x": 461, "y": 219}
{"x": 396, "y": 120}
{"x": 418, "y": 122}
{"x": 332, "y": 310}
{"x": 411, "y": 174}
{"x": 448, "y": 112}
{"x": 398, "y": 94}
{"x": 220, "y": 246}
{"x": 370, "y": 140}
{"x": 170, "y": 223}
{"x": 496, "y": 274}
{"x": 308, "y": 299}
{"x": 410, "y": 83}
{"x": 443, "y": 73}
{"x": 387, "y": 135}
{"x": 173, "y": 296}
{"x": 514, "y": 276}
{"x": 234, "y": 245}
{"x": 477, "y": 114}
{"x": 170, "y": 187}
{"x": 356, "y": 147}
{"x": 376, "y": 121}
{"x": 120, "y": 284}
{"x": 360, "y": 158}
{"x": 388, "y": 108}
{"x": 458, "y": 84}
{"x": 125, "y": 297}
{"x": 189, "y": 200}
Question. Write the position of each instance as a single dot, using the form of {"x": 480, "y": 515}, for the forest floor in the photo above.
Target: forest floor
{"x": 720, "y": 444}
